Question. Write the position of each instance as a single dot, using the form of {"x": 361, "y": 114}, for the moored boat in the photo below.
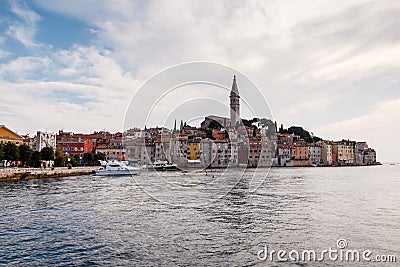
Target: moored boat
{"x": 118, "y": 168}
{"x": 162, "y": 166}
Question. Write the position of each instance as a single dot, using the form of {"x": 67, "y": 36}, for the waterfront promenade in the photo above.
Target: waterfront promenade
{"x": 16, "y": 174}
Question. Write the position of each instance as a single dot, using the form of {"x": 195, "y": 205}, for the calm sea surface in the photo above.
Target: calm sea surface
{"x": 197, "y": 220}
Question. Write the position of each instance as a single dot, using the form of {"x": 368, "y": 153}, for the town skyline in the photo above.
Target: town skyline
{"x": 333, "y": 71}
{"x": 220, "y": 142}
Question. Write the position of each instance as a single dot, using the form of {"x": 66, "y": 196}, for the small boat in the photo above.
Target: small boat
{"x": 118, "y": 168}
{"x": 162, "y": 166}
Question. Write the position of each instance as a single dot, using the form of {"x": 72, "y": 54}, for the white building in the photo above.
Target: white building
{"x": 139, "y": 151}
{"x": 44, "y": 139}
{"x": 162, "y": 151}
{"x": 284, "y": 155}
{"x": 369, "y": 156}
{"x": 359, "y": 149}
{"x": 222, "y": 150}
{"x": 207, "y": 152}
{"x": 314, "y": 154}
{"x": 178, "y": 150}
{"x": 326, "y": 153}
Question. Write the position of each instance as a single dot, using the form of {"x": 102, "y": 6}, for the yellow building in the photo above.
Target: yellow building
{"x": 6, "y": 135}
{"x": 344, "y": 153}
{"x": 193, "y": 150}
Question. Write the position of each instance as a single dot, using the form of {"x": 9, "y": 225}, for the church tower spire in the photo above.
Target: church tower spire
{"x": 235, "y": 103}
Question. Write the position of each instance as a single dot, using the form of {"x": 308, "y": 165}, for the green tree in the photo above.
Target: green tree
{"x": 249, "y": 123}
{"x": 74, "y": 160}
{"x": 35, "y": 159}
{"x": 25, "y": 153}
{"x": 10, "y": 152}
{"x": 269, "y": 125}
{"x": 88, "y": 157}
{"x": 304, "y": 134}
{"x": 254, "y": 131}
{"x": 209, "y": 134}
{"x": 59, "y": 161}
{"x": 99, "y": 156}
{"x": 214, "y": 125}
{"x": 47, "y": 153}
{"x": 1, "y": 152}
{"x": 281, "y": 129}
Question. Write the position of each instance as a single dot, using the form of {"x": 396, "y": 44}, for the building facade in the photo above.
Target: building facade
{"x": 9, "y": 136}
{"x": 315, "y": 155}
{"x": 299, "y": 154}
{"x": 44, "y": 139}
{"x": 326, "y": 153}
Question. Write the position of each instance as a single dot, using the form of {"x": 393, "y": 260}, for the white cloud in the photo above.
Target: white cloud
{"x": 379, "y": 127}
{"x": 23, "y": 66}
{"x": 317, "y": 61}
{"x": 24, "y": 31}
{"x": 24, "y": 12}
{"x": 32, "y": 106}
{"x": 93, "y": 96}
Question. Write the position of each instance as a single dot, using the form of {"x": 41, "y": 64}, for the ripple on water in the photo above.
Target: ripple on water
{"x": 89, "y": 220}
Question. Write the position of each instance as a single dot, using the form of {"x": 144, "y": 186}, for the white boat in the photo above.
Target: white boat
{"x": 118, "y": 168}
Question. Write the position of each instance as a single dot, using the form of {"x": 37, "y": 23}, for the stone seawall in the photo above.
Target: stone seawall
{"x": 16, "y": 174}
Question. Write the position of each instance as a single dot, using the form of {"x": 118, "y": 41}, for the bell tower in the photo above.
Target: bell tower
{"x": 235, "y": 103}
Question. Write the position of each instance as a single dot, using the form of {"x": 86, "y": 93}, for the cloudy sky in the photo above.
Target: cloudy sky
{"x": 332, "y": 67}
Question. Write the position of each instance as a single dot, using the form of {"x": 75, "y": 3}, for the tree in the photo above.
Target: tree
{"x": 249, "y": 123}
{"x": 88, "y": 157}
{"x": 281, "y": 129}
{"x": 25, "y": 153}
{"x": 74, "y": 160}
{"x": 60, "y": 158}
{"x": 304, "y": 134}
{"x": 269, "y": 125}
{"x": 209, "y": 134}
{"x": 254, "y": 131}
{"x": 35, "y": 159}
{"x": 99, "y": 156}
{"x": 47, "y": 153}
{"x": 215, "y": 125}
{"x": 10, "y": 152}
{"x": 1, "y": 152}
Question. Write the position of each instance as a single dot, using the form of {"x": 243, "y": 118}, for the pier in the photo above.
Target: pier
{"x": 17, "y": 174}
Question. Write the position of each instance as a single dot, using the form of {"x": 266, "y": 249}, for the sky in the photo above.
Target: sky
{"x": 332, "y": 67}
